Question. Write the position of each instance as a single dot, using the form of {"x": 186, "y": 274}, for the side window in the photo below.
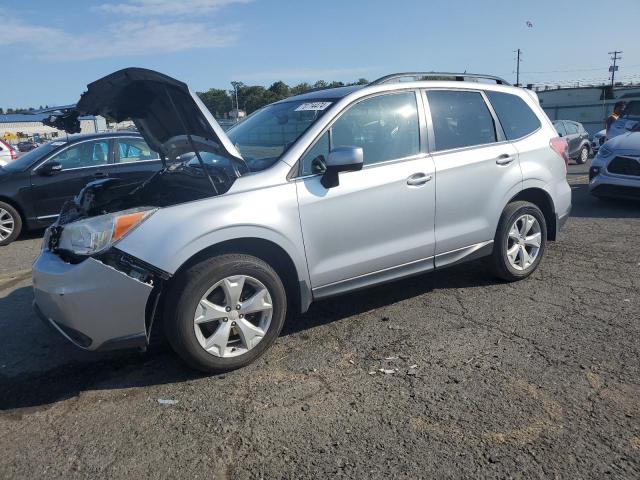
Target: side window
{"x": 460, "y": 119}
{"x": 85, "y": 154}
{"x": 572, "y": 128}
{"x": 516, "y": 118}
{"x": 385, "y": 126}
{"x": 134, "y": 150}
{"x": 560, "y": 128}
{"x": 313, "y": 160}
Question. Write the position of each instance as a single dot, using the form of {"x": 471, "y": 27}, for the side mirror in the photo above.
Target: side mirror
{"x": 341, "y": 159}
{"x": 50, "y": 168}
{"x": 629, "y": 126}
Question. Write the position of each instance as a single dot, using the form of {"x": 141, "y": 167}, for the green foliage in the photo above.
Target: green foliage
{"x": 251, "y": 98}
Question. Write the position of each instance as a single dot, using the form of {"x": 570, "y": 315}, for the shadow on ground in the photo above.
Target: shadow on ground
{"x": 38, "y": 367}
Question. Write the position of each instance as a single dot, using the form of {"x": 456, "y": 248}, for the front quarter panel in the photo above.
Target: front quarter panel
{"x": 173, "y": 235}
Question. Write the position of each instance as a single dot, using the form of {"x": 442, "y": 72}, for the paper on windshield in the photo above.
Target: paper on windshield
{"x": 313, "y": 106}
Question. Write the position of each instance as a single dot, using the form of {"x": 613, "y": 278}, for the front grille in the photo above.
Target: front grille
{"x": 625, "y": 166}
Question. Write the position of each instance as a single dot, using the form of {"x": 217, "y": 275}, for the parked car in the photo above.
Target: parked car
{"x": 26, "y": 146}
{"x": 309, "y": 197}
{"x": 629, "y": 120}
{"x": 7, "y": 153}
{"x": 577, "y": 139}
{"x": 597, "y": 139}
{"x": 34, "y": 187}
{"x": 615, "y": 172}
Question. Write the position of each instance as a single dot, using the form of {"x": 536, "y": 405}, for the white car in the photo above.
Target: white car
{"x": 7, "y": 153}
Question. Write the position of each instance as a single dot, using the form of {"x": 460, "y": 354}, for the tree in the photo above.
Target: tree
{"x": 300, "y": 88}
{"x": 280, "y": 90}
{"x": 216, "y": 100}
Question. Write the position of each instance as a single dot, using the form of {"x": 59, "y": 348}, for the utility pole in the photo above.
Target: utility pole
{"x": 236, "y": 85}
{"x": 613, "y": 68}
{"x": 518, "y": 60}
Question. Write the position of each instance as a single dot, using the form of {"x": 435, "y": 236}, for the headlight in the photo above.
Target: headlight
{"x": 95, "y": 234}
{"x": 605, "y": 151}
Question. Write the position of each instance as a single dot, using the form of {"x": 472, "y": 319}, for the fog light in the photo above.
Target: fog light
{"x": 593, "y": 172}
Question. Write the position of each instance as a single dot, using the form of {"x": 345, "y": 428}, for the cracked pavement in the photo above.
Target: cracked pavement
{"x": 535, "y": 379}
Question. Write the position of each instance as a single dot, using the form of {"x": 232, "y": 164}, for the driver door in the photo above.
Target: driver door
{"x": 378, "y": 223}
{"x": 81, "y": 163}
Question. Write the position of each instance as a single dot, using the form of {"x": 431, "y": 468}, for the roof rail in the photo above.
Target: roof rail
{"x": 419, "y": 76}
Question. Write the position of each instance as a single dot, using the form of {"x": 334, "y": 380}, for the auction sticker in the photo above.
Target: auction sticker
{"x": 313, "y": 106}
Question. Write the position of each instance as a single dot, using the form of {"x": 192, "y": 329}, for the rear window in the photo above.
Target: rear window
{"x": 514, "y": 114}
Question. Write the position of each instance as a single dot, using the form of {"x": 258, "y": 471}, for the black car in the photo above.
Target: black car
{"x": 577, "y": 139}
{"x": 34, "y": 187}
{"x": 26, "y": 146}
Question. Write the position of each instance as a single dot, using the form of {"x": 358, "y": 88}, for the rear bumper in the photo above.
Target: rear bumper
{"x": 92, "y": 305}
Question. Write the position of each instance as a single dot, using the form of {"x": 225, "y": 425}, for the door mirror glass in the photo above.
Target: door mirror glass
{"x": 341, "y": 159}
{"x": 50, "y": 168}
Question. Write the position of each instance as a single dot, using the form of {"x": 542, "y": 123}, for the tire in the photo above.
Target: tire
{"x": 499, "y": 262}
{"x": 10, "y": 224}
{"x": 583, "y": 156}
{"x": 194, "y": 287}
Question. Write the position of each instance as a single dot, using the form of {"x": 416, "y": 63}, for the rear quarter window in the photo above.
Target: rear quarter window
{"x": 516, "y": 117}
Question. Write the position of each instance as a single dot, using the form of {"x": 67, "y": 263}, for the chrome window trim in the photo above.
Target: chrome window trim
{"x": 298, "y": 165}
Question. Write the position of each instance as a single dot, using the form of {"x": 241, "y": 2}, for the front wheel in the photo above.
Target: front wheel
{"x": 225, "y": 312}
{"x": 519, "y": 242}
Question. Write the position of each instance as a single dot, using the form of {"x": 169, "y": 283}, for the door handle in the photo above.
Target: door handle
{"x": 504, "y": 159}
{"x": 418, "y": 179}
{"x": 100, "y": 175}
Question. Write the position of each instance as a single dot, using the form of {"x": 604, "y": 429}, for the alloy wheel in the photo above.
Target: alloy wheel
{"x": 584, "y": 155}
{"x": 7, "y": 224}
{"x": 523, "y": 242}
{"x": 233, "y": 316}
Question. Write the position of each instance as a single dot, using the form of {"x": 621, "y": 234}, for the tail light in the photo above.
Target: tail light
{"x": 14, "y": 155}
{"x": 561, "y": 147}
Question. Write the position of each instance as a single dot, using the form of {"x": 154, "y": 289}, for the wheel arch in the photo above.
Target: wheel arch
{"x": 266, "y": 250}
{"x": 543, "y": 201}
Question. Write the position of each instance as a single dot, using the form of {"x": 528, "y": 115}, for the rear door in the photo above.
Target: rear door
{"x": 134, "y": 161}
{"x": 475, "y": 169}
{"x": 81, "y": 163}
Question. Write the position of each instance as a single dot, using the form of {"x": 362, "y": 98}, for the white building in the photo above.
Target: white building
{"x": 22, "y": 126}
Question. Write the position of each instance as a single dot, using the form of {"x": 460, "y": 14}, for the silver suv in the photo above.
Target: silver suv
{"x": 313, "y": 196}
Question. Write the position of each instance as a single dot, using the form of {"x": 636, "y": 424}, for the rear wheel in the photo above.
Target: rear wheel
{"x": 584, "y": 155}
{"x": 10, "y": 224}
{"x": 519, "y": 242}
{"x": 225, "y": 312}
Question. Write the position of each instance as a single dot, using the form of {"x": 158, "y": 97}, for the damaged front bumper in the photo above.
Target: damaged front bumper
{"x": 91, "y": 304}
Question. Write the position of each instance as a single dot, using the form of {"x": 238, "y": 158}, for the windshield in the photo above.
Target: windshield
{"x": 266, "y": 134}
{"x": 26, "y": 160}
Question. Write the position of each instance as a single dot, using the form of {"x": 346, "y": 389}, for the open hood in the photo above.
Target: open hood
{"x": 169, "y": 116}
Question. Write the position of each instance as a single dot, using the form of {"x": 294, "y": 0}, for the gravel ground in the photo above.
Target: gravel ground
{"x": 536, "y": 379}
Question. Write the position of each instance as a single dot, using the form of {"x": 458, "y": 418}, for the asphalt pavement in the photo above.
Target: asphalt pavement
{"x": 447, "y": 375}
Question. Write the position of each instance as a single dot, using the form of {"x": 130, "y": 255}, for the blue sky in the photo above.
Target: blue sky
{"x": 52, "y": 49}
